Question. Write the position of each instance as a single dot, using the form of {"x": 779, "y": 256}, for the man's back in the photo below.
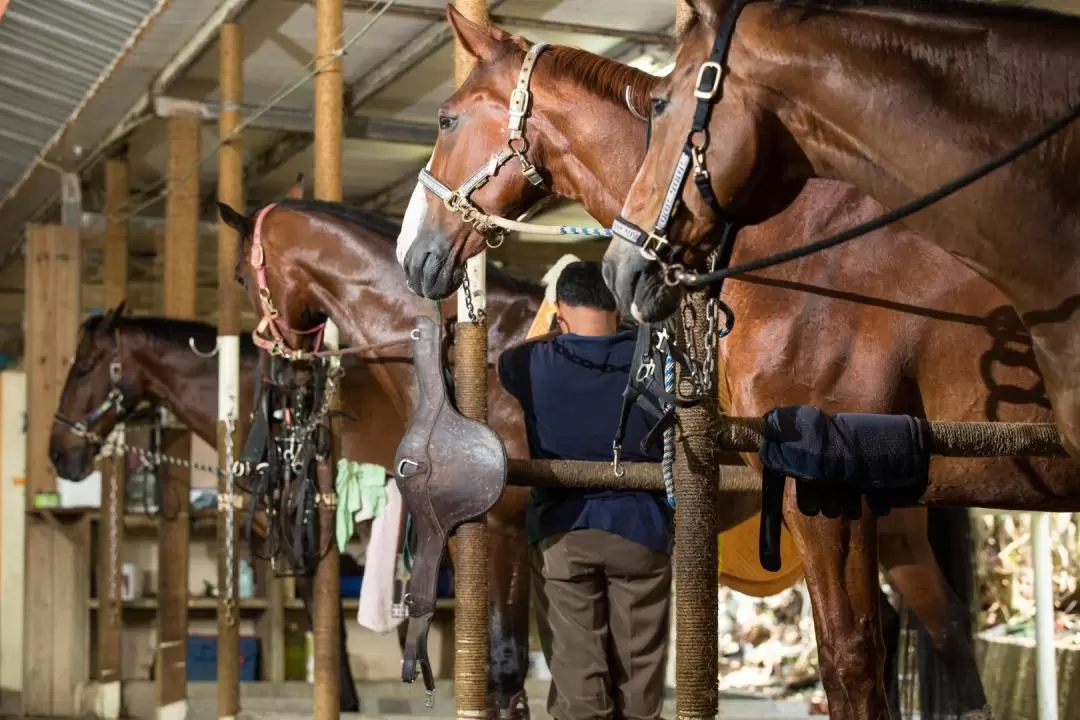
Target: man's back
{"x": 570, "y": 388}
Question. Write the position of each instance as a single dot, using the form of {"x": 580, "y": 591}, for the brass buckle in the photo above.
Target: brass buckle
{"x": 657, "y": 240}
{"x": 709, "y": 93}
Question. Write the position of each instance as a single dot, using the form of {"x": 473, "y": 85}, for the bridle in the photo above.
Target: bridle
{"x": 276, "y": 344}
{"x": 114, "y": 401}
{"x": 708, "y": 90}
{"x": 458, "y": 201}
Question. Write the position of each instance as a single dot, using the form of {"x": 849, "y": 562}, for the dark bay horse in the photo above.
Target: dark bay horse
{"x": 157, "y": 366}
{"x": 945, "y": 345}
{"x": 326, "y": 260}
{"x": 898, "y": 98}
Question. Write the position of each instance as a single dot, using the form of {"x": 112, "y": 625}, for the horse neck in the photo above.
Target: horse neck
{"x": 363, "y": 291}
{"x": 184, "y": 383}
{"x": 598, "y": 155}
{"x": 876, "y": 121}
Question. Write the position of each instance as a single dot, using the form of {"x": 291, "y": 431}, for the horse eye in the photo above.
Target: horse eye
{"x": 447, "y": 122}
{"x": 659, "y": 105}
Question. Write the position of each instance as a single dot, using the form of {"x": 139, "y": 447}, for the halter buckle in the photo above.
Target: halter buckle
{"x": 650, "y": 253}
{"x": 709, "y": 92}
{"x": 519, "y": 105}
{"x": 258, "y": 256}
{"x": 115, "y": 372}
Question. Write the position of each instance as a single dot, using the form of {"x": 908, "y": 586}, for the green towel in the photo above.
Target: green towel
{"x": 372, "y": 491}
{"x": 361, "y": 489}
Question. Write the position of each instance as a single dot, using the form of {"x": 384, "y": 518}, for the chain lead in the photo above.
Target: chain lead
{"x": 230, "y": 531}
{"x": 116, "y": 517}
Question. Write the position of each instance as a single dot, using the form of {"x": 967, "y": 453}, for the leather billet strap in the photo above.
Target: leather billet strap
{"x": 516, "y": 146}
{"x": 708, "y": 91}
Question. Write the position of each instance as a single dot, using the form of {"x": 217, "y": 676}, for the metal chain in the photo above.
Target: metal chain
{"x": 230, "y": 511}
{"x": 466, "y": 287}
{"x": 115, "y": 595}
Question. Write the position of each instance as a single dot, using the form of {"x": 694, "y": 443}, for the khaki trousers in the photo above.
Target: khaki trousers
{"x": 602, "y": 605}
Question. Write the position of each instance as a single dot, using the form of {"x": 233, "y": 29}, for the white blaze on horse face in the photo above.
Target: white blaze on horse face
{"x": 415, "y": 217}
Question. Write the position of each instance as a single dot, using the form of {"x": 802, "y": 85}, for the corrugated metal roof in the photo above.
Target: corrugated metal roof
{"x": 51, "y": 56}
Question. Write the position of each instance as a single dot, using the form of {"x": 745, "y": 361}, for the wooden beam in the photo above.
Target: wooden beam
{"x": 113, "y": 467}
{"x": 301, "y": 122}
{"x": 438, "y": 15}
{"x": 428, "y": 42}
{"x": 231, "y": 191}
{"x": 329, "y": 127}
{"x": 117, "y": 205}
{"x": 181, "y": 246}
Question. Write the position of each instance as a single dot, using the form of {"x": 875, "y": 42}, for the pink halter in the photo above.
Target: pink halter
{"x": 271, "y": 319}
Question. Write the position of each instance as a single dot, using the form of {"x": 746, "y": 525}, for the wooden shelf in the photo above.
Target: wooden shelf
{"x": 256, "y": 603}
{"x": 195, "y": 603}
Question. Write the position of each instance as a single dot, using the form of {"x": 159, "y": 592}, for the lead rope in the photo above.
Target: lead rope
{"x": 668, "y": 464}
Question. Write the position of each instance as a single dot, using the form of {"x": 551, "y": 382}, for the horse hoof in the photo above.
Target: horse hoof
{"x": 516, "y": 709}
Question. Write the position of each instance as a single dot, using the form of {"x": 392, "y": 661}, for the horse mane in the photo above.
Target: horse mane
{"x": 174, "y": 332}
{"x": 957, "y": 8}
{"x": 371, "y": 221}
{"x": 604, "y": 75}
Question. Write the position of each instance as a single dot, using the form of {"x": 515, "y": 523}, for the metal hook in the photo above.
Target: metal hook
{"x": 200, "y": 353}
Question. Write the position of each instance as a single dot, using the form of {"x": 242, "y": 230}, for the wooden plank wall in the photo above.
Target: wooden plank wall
{"x": 57, "y": 620}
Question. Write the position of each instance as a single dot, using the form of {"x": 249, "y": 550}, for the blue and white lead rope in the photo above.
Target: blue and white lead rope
{"x": 668, "y": 464}
{"x": 587, "y": 231}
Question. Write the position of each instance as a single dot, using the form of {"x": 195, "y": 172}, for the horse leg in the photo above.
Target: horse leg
{"x": 840, "y": 557}
{"x": 949, "y": 680}
{"x": 350, "y": 702}
{"x": 890, "y": 630}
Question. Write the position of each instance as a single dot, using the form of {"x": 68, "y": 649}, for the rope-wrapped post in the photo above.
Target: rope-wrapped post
{"x": 948, "y": 439}
{"x": 470, "y": 381}
{"x": 696, "y": 552}
{"x": 470, "y": 539}
{"x": 329, "y": 128}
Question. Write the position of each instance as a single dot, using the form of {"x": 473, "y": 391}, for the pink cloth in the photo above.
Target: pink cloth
{"x": 380, "y": 565}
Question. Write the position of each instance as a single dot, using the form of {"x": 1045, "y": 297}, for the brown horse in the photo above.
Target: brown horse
{"x": 344, "y": 269}
{"x": 897, "y": 102}
{"x": 156, "y": 366}
{"x": 945, "y": 346}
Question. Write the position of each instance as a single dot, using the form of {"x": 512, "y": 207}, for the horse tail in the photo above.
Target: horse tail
{"x": 950, "y": 540}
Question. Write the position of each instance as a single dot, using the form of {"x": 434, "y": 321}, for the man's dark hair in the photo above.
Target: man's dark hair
{"x": 581, "y": 284}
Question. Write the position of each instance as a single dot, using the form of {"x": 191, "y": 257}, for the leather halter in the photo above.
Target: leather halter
{"x": 708, "y": 90}
{"x": 271, "y": 320}
{"x": 114, "y": 401}
{"x": 458, "y": 201}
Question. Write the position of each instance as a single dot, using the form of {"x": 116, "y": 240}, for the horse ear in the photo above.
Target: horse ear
{"x": 479, "y": 41}
{"x": 109, "y": 322}
{"x": 707, "y": 10}
{"x": 120, "y": 308}
{"x": 235, "y": 220}
{"x": 296, "y": 192}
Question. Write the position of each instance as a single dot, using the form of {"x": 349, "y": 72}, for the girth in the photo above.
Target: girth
{"x": 450, "y": 470}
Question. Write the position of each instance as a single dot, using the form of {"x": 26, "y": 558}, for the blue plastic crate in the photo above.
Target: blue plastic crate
{"x": 351, "y": 585}
{"x": 202, "y": 658}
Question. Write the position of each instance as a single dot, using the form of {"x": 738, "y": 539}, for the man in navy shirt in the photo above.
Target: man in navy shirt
{"x": 601, "y": 560}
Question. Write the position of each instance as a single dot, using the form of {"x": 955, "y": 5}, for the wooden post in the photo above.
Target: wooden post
{"x": 231, "y": 191}
{"x": 329, "y": 127}
{"x": 57, "y": 621}
{"x": 112, "y": 466}
{"x": 181, "y": 247}
{"x": 470, "y": 378}
{"x": 696, "y": 500}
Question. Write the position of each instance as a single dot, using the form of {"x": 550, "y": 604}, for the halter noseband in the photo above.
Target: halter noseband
{"x": 113, "y": 401}
{"x": 708, "y": 90}
{"x": 271, "y": 320}
{"x": 458, "y": 201}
